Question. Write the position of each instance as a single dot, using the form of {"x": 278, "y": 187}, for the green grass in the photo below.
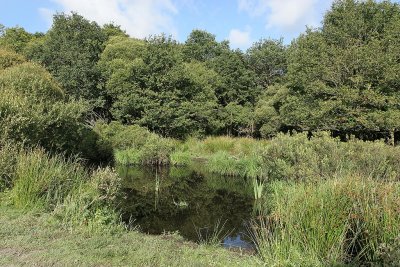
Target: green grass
{"x": 338, "y": 221}
{"x": 43, "y": 181}
{"x": 29, "y": 239}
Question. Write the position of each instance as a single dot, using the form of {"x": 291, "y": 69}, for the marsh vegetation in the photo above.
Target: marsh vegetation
{"x": 288, "y": 149}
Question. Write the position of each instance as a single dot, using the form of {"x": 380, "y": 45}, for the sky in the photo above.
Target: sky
{"x": 242, "y": 22}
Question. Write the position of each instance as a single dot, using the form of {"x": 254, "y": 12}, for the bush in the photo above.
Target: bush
{"x": 135, "y": 145}
{"x": 33, "y": 111}
{"x": 322, "y": 157}
{"x": 31, "y": 80}
{"x": 9, "y": 58}
{"x": 93, "y": 205}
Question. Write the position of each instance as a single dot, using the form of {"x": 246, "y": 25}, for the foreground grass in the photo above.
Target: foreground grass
{"x": 29, "y": 239}
{"x": 347, "y": 220}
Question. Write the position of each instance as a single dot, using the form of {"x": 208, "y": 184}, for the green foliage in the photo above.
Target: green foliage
{"x": 53, "y": 183}
{"x": 8, "y": 162}
{"x": 44, "y": 181}
{"x": 333, "y": 222}
{"x": 31, "y": 80}
{"x": 33, "y": 110}
{"x": 322, "y": 157}
{"x": 9, "y": 58}
{"x": 94, "y": 203}
{"x": 202, "y": 46}
{"x": 268, "y": 59}
{"x": 134, "y": 144}
{"x": 70, "y": 52}
{"x": 15, "y": 38}
{"x": 340, "y": 77}
{"x": 152, "y": 86}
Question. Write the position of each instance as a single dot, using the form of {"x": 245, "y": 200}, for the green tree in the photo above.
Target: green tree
{"x": 341, "y": 76}
{"x": 202, "y": 46}
{"x": 15, "y": 38}
{"x": 268, "y": 59}
{"x": 35, "y": 111}
{"x": 151, "y": 85}
{"x": 70, "y": 52}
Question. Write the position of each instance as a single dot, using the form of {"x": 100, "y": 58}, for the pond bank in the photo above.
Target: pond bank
{"x": 38, "y": 240}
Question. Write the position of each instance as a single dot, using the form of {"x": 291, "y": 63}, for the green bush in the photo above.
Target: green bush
{"x": 33, "y": 111}
{"x": 94, "y": 204}
{"x": 31, "y": 80}
{"x": 322, "y": 157}
{"x": 135, "y": 145}
{"x": 9, "y": 58}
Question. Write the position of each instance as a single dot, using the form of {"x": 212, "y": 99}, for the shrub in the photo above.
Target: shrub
{"x": 93, "y": 205}
{"x": 322, "y": 157}
{"x": 9, "y": 58}
{"x": 31, "y": 80}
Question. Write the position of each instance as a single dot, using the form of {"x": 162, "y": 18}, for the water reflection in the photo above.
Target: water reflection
{"x": 185, "y": 199}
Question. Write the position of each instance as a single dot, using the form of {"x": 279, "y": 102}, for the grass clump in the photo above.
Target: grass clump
{"x": 44, "y": 181}
{"x": 337, "y": 221}
{"x": 93, "y": 205}
{"x": 8, "y": 162}
{"x": 62, "y": 187}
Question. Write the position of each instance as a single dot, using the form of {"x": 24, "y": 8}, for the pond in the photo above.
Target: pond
{"x": 189, "y": 201}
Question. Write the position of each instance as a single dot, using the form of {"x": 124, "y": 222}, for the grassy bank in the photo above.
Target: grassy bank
{"x": 286, "y": 157}
{"x": 55, "y": 212}
{"x": 347, "y": 220}
{"x": 30, "y": 239}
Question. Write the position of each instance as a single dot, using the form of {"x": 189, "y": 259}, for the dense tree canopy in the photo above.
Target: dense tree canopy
{"x": 342, "y": 77}
{"x": 70, "y": 51}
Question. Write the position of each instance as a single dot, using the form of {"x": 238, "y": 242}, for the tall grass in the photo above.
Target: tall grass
{"x": 322, "y": 157}
{"x": 94, "y": 203}
{"x": 337, "y": 221}
{"x": 8, "y": 162}
{"x": 61, "y": 186}
{"x": 44, "y": 181}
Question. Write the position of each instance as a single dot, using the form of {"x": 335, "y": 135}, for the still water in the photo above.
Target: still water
{"x": 188, "y": 201}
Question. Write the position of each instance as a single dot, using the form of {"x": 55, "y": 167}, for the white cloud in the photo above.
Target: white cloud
{"x": 289, "y": 15}
{"x": 240, "y": 39}
{"x": 47, "y": 15}
{"x": 139, "y": 18}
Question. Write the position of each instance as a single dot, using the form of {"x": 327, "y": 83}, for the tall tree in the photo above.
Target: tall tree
{"x": 268, "y": 59}
{"x": 70, "y": 52}
{"x": 341, "y": 77}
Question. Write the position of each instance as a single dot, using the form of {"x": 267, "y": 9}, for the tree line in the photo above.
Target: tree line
{"x": 343, "y": 77}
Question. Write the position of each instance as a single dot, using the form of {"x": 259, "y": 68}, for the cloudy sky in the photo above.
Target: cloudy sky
{"x": 239, "y": 21}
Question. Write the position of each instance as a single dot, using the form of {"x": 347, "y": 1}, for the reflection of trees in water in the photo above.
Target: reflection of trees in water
{"x": 209, "y": 199}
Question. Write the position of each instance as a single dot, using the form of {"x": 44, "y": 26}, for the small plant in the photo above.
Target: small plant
{"x": 212, "y": 236}
{"x": 258, "y": 189}
{"x": 181, "y": 204}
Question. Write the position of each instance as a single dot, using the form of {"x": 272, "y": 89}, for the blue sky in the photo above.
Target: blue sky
{"x": 239, "y": 21}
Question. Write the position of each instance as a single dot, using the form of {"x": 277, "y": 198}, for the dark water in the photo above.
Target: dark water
{"x": 189, "y": 201}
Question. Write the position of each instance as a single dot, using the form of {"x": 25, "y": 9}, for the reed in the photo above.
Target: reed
{"x": 338, "y": 221}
